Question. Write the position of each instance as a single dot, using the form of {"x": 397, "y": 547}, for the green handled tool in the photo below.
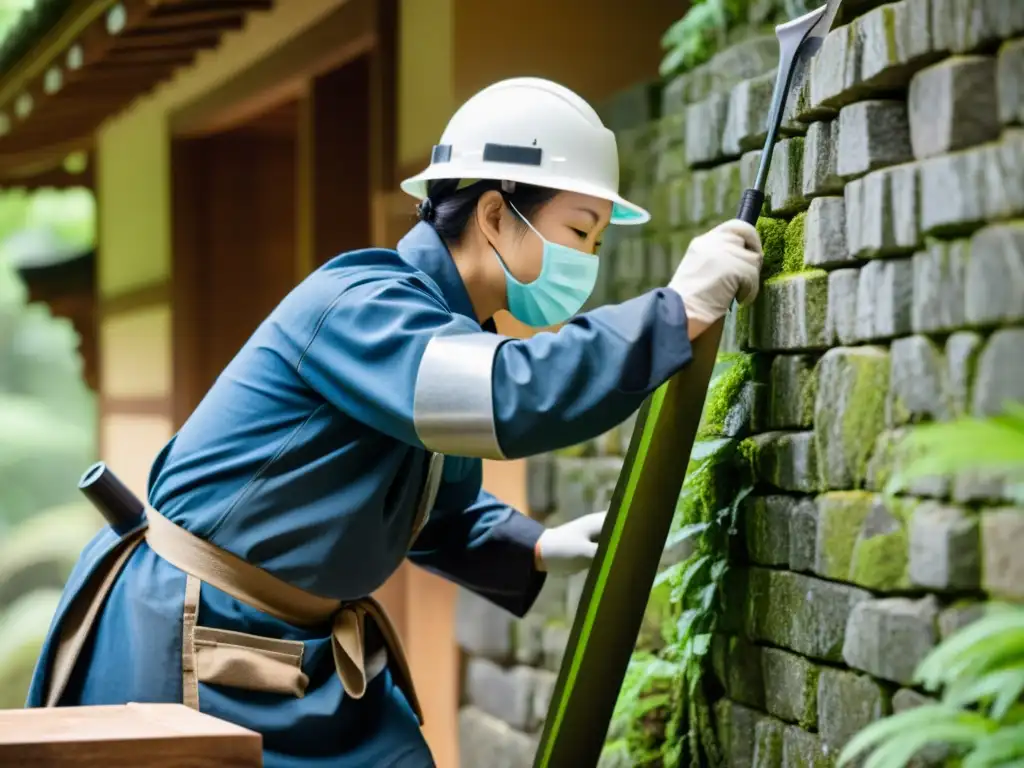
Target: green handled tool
{"x": 640, "y": 515}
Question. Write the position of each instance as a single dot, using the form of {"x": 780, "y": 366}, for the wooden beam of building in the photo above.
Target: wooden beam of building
{"x": 100, "y": 58}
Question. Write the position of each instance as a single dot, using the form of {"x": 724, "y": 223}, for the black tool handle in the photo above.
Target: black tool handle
{"x": 750, "y": 206}
{"x": 121, "y": 508}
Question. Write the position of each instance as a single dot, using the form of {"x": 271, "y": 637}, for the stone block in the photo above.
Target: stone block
{"x": 671, "y": 130}
{"x": 895, "y": 40}
{"x": 631, "y": 107}
{"x": 486, "y": 740}
{"x": 825, "y": 233}
{"x": 882, "y": 213}
{"x": 953, "y": 105}
{"x": 835, "y": 71}
{"x": 980, "y": 487}
{"x": 841, "y": 315}
{"x": 554, "y": 642}
{"x": 766, "y": 521}
{"x": 528, "y": 635}
{"x": 789, "y": 314}
{"x": 888, "y": 638}
{"x": 1009, "y": 76}
{"x": 736, "y": 725}
{"x": 862, "y": 539}
{"x": 849, "y": 412}
{"x": 841, "y": 517}
{"x": 785, "y": 460}
{"x": 551, "y": 602}
{"x": 885, "y": 299}
{"x": 580, "y": 482}
{"x": 806, "y": 615}
{"x": 963, "y": 27}
{"x": 790, "y": 684}
{"x": 726, "y": 190}
{"x": 801, "y": 749}
{"x": 1000, "y": 374}
{"x": 887, "y": 455}
{"x": 995, "y": 275}
{"x": 847, "y": 703}
{"x": 792, "y": 385}
{"x": 746, "y": 125}
{"x": 820, "y": 160}
{"x": 630, "y": 262}
{"x": 872, "y": 135}
{"x": 944, "y": 548}
{"x": 917, "y": 386}
{"x": 700, "y": 197}
{"x": 784, "y": 189}
{"x": 938, "y": 294}
{"x": 705, "y": 123}
{"x": 675, "y": 96}
{"x": 1002, "y": 540}
{"x": 540, "y": 485}
{"x": 482, "y": 628}
{"x": 962, "y": 349}
{"x": 959, "y": 615}
{"x": 961, "y": 191}
{"x": 543, "y": 688}
{"x": 736, "y": 663}
{"x": 677, "y": 203}
{"x": 803, "y": 533}
{"x": 767, "y": 743}
{"x": 504, "y": 694}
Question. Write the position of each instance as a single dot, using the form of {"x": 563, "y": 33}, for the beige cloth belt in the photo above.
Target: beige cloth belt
{"x": 251, "y": 585}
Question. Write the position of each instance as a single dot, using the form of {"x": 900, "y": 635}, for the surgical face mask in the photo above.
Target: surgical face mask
{"x": 566, "y": 280}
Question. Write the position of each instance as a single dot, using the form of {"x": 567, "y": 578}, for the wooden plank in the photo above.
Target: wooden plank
{"x": 151, "y": 735}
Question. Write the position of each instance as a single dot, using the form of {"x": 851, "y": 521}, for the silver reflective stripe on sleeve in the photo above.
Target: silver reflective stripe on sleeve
{"x": 453, "y": 406}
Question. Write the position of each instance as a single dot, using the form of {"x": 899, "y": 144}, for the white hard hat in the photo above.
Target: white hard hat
{"x": 535, "y": 132}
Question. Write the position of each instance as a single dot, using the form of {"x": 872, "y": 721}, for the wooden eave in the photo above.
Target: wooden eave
{"x": 100, "y": 56}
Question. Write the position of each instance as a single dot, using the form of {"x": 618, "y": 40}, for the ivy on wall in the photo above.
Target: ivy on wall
{"x": 706, "y": 27}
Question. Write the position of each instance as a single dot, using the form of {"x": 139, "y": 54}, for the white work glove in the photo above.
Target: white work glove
{"x": 570, "y": 547}
{"x": 719, "y": 266}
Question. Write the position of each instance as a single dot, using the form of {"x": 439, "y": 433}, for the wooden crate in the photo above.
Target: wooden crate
{"x": 138, "y": 735}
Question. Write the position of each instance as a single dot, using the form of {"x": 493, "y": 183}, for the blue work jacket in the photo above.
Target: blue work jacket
{"x": 308, "y": 457}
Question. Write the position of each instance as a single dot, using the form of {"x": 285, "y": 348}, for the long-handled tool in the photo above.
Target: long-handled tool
{"x": 615, "y": 595}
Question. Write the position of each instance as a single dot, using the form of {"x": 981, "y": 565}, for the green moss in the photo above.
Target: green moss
{"x": 880, "y": 559}
{"x": 880, "y": 562}
{"x": 891, "y": 42}
{"x": 725, "y": 393}
{"x": 773, "y": 244}
{"x": 768, "y": 744}
{"x": 864, "y": 412}
{"x": 803, "y": 274}
{"x": 793, "y": 256}
{"x": 841, "y": 516}
{"x": 658, "y": 626}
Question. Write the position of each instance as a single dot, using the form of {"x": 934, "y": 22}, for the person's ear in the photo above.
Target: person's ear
{"x": 490, "y": 209}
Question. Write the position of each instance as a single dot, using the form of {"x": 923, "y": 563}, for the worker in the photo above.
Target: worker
{"x": 347, "y": 435}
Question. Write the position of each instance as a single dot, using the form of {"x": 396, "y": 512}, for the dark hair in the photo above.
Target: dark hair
{"x": 448, "y": 209}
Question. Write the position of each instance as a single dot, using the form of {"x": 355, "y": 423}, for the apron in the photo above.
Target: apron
{"x": 220, "y": 656}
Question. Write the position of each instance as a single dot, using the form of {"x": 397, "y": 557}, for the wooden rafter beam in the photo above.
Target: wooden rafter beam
{"x": 100, "y": 57}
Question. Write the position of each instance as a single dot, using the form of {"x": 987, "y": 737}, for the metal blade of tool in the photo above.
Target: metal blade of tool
{"x": 620, "y": 579}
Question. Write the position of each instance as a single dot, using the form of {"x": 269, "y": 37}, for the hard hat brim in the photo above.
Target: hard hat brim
{"x": 624, "y": 213}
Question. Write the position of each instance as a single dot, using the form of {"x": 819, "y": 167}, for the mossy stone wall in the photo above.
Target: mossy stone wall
{"x": 893, "y": 295}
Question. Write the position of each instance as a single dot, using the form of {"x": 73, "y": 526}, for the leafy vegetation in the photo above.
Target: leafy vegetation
{"x": 663, "y": 700}
{"x": 47, "y": 437}
{"x": 977, "y": 672}
{"x": 704, "y": 29}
